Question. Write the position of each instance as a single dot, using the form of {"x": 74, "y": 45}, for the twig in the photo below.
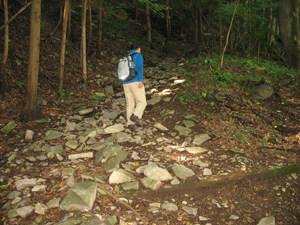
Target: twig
{"x": 122, "y": 202}
{"x": 281, "y": 149}
{"x": 21, "y": 10}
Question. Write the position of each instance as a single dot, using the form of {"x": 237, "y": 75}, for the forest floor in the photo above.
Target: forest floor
{"x": 263, "y": 130}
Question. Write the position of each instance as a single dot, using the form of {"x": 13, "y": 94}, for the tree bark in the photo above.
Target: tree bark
{"x": 6, "y": 39}
{"x": 63, "y": 46}
{"x": 220, "y": 28}
{"x": 149, "y": 36}
{"x": 201, "y": 33}
{"x": 83, "y": 42}
{"x": 100, "y": 30}
{"x": 290, "y": 31}
{"x": 168, "y": 20}
{"x": 31, "y": 110}
{"x": 69, "y": 21}
{"x": 90, "y": 30}
{"x": 196, "y": 30}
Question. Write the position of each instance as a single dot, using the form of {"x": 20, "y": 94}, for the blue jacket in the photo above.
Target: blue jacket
{"x": 138, "y": 61}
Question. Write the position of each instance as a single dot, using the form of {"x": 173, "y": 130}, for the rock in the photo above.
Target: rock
{"x": 114, "y": 129}
{"x": 160, "y": 127}
{"x": 190, "y": 210}
{"x": 188, "y": 123}
{"x": 39, "y": 188}
{"x": 9, "y": 127}
{"x": 55, "y": 149}
{"x": 130, "y": 186}
{"x": 50, "y": 135}
{"x": 21, "y": 184}
{"x": 80, "y": 197}
{"x": 265, "y": 91}
{"x": 40, "y": 209}
{"x": 25, "y": 211}
{"x": 69, "y": 171}
{"x": 29, "y": 135}
{"x": 150, "y": 183}
{"x": 183, "y": 130}
{"x": 196, "y": 150}
{"x": 81, "y": 155}
{"x": 155, "y": 99}
{"x": 182, "y": 172}
{"x": 199, "y": 139}
{"x": 110, "y": 115}
{"x": 12, "y": 195}
{"x": 72, "y": 144}
{"x": 207, "y": 172}
{"x": 157, "y": 173}
{"x": 234, "y": 217}
{"x": 54, "y": 203}
{"x": 71, "y": 126}
{"x": 98, "y": 178}
{"x": 267, "y": 221}
{"x": 71, "y": 181}
{"x": 112, "y": 164}
{"x": 169, "y": 207}
{"x": 85, "y": 111}
{"x": 120, "y": 176}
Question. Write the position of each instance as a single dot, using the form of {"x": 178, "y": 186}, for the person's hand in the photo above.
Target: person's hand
{"x": 141, "y": 84}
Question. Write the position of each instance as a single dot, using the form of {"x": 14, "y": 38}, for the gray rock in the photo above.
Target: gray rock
{"x": 50, "y": 135}
{"x": 25, "y": 211}
{"x": 40, "y": 209}
{"x": 183, "y": 130}
{"x": 207, "y": 172}
{"x": 55, "y": 149}
{"x": 12, "y": 213}
{"x": 9, "y": 127}
{"x": 71, "y": 181}
{"x": 169, "y": 207}
{"x": 71, "y": 126}
{"x": 81, "y": 155}
{"x": 234, "y": 217}
{"x": 54, "y": 203}
{"x": 188, "y": 123}
{"x": 72, "y": 144}
{"x": 98, "y": 178}
{"x": 155, "y": 99}
{"x": 196, "y": 150}
{"x": 150, "y": 183}
{"x": 160, "y": 127}
{"x": 114, "y": 129}
{"x": 29, "y": 135}
{"x": 112, "y": 164}
{"x": 12, "y": 195}
{"x": 21, "y": 184}
{"x": 265, "y": 91}
{"x": 69, "y": 171}
{"x": 157, "y": 173}
{"x": 80, "y": 197}
{"x": 120, "y": 176}
{"x": 199, "y": 139}
{"x": 85, "y": 111}
{"x": 182, "y": 172}
{"x": 110, "y": 115}
{"x": 70, "y": 221}
{"x": 41, "y": 157}
{"x": 267, "y": 221}
{"x": 39, "y": 188}
{"x": 12, "y": 157}
{"x": 190, "y": 210}
{"x": 130, "y": 186}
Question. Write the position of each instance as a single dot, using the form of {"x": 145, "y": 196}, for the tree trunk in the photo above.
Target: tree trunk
{"x": 201, "y": 33}
{"x": 69, "y": 21}
{"x": 220, "y": 28}
{"x": 90, "y": 30}
{"x": 6, "y": 39}
{"x": 31, "y": 110}
{"x": 168, "y": 20}
{"x": 289, "y": 31}
{"x": 100, "y": 30}
{"x": 196, "y": 30}
{"x": 83, "y": 42}
{"x": 63, "y": 46}
{"x": 149, "y": 36}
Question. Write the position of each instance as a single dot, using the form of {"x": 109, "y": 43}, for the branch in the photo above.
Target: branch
{"x": 21, "y": 10}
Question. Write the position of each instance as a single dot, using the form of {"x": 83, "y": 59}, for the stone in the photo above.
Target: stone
{"x": 39, "y": 188}
{"x": 112, "y": 164}
{"x": 114, "y": 129}
{"x": 155, "y": 99}
{"x": 200, "y": 139}
{"x": 40, "y": 209}
{"x": 29, "y": 135}
{"x": 234, "y": 217}
{"x": 72, "y": 144}
{"x": 81, "y": 155}
{"x": 51, "y": 135}
{"x": 182, "y": 172}
{"x": 169, "y": 207}
{"x": 80, "y": 197}
{"x": 71, "y": 126}
{"x": 267, "y": 221}
{"x": 120, "y": 176}
{"x": 150, "y": 183}
{"x": 69, "y": 171}
{"x": 160, "y": 127}
{"x": 55, "y": 149}
{"x": 207, "y": 172}
{"x": 25, "y": 211}
{"x": 157, "y": 173}
{"x": 98, "y": 178}
{"x": 110, "y": 115}
{"x": 85, "y": 111}
{"x": 9, "y": 127}
{"x": 183, "y": 130}
{"x": 130, "y": 186}
{"x": 190, "y": 210}
{"x": 21, "y": 184}
{"x": 71, "y": 181}
{"x": 54, "y": 203}
{"x": 41, "y": 157}
{"x": 196, "y": 150}
{"x": 12, "y": 195}
{"x": 264, "y": 91}
{"x": 109, "y": 89}
{"x": 188, "y": 123}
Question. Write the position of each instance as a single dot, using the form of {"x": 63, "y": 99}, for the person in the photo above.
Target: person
{"x": 135, "y": 91}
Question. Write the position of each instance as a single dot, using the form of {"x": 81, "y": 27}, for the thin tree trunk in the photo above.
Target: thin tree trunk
{"x": 235, "y": 7}
{"x": 31, "y": 110}
{"x": 201, "y": 26}
{"x": 83, "y": 42}
{"x": 100, "y": 31}
{"x": 90, "y": 30}
{"x": 6, "y": 39}
{"x": 220, "y": 26}
{"x": 63, "y": 46}
{"x": 149, "y": 36}
{"x": 196, "y": 30}
{"x": 168, "y": 20}
{"x": 69, "y": 21}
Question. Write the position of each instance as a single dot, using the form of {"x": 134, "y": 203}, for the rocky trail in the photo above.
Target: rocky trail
{"x": 82, "y": 166}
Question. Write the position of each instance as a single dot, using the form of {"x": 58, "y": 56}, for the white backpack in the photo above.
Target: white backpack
{"x": 126, "y": 68}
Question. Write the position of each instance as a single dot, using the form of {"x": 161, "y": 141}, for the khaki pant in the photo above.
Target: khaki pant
{"x": 135, "y": 100}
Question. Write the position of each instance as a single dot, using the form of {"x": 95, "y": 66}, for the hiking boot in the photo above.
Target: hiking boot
{"x": 136, "y": 120}
{"x": 131, "y": 127}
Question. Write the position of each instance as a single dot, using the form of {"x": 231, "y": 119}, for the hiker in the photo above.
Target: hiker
{"x": 135, "y": 91}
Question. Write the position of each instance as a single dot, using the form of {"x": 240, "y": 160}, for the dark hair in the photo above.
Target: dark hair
{"x": 135, "y": 46}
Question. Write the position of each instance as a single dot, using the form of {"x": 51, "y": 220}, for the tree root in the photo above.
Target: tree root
{"x": 123, "y": 203}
